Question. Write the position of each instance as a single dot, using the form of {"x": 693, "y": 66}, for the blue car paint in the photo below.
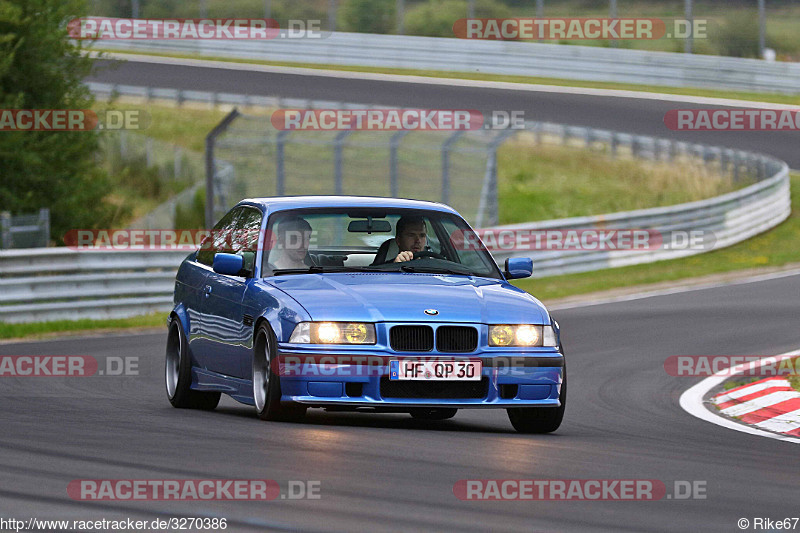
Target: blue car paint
{"x": 221, "y": 343}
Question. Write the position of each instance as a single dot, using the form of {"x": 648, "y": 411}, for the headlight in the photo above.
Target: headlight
{"x": 333, "y": 333}
{"x": 521, "y": 335}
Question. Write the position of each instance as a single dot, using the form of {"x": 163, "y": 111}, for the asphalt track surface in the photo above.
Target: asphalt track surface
{"x": 642, "y": 116}
{"x": 390, "y": 472}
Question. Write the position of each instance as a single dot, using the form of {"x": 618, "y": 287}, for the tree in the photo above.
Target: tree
{"x": 367, "y": 16}
{"x": 40, "y": 68}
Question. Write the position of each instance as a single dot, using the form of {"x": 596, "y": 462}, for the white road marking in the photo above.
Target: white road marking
{"x": 751, "y": 389}
{"x": 677, "y": 290}
{"x": 760, "y": 403}
{"x": 691, "y": 401}
{"x": 783, "y": 423}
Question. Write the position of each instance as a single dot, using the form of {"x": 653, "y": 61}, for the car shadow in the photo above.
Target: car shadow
{"x": 320, "y": 417}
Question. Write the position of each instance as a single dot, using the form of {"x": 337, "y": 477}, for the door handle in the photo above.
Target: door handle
{"x": 207, "y": 290}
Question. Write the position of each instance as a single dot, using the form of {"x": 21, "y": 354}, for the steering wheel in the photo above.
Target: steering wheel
{"x": 427, "y": 253}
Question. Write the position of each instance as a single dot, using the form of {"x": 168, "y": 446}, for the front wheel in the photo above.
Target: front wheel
{"x": 540, "y": 419}
{"x": 267, "y": 384}
{"x": 178, "y": 374}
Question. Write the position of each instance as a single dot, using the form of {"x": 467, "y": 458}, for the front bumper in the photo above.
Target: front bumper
{"x": 530, "y": 378}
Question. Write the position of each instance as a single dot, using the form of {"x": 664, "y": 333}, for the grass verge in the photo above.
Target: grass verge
{"x": 776, "y": 247}
{"x": 75, "y": 327}
{"x": 546, "y": 181}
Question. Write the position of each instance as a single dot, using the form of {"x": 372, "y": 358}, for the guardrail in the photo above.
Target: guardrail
{"x": 43, "y": 284}
{"x": 586, "y": 63}
{"x": 59, "y": 283}
{"x": 24, "y": 231}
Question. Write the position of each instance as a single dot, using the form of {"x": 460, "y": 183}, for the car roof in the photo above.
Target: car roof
{"x": 283, "y": 203}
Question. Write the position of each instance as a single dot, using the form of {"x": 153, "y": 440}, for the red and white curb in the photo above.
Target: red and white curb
{"x": 770, "y": 407}
{"x": 771, "y": 404}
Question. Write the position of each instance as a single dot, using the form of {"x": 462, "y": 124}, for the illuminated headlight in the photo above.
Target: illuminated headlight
{"x": 522, "y": 335}
{"x": 333, "y": 333}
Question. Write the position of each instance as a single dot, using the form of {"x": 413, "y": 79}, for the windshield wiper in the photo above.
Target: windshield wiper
{"x": 317, "y": 269}
{"x": 435, "y": 270}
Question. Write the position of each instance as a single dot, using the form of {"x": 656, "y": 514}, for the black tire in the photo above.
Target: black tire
{"x": 540, "y": 419}
{"x": 267, "y": 384}
{"x": 178, "y": 374}
{"x": 426, "y": 413}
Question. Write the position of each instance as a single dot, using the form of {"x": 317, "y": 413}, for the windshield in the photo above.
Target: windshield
{"x": 382, "y": 240}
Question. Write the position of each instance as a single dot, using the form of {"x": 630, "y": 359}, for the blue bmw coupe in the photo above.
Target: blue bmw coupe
{"x": 353, "y": 303}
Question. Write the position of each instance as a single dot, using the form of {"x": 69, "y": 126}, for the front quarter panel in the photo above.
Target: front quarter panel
{"x": 278, "y": 308}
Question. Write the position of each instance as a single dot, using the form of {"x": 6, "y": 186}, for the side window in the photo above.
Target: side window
{"x": 248, "y": 231}
{"x": 216, "y": 242}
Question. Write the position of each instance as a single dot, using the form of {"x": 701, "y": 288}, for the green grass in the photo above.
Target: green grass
{"x": 558, "y": 82}
{"x": 737, "y": 382}
{"x": 543, "y": 182}
{"x": 74, "y": 327}
{"x": 185, "y": 126}
{"x": 777, "y": 247}
{"x": 794, "y": 380}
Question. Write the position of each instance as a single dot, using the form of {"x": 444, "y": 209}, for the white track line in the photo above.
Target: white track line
{"x": 691, "y": 401}
{"x": 751, "y": 389}
{"x": 676, "y": 290}
{"x": 760, "y": 403}
{"x": 785, "y": 422}
{"x": 450, "y": 82}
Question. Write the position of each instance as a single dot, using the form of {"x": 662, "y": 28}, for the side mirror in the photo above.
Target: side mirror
{"x": 228, "y": 264}
{"x": 519, "y": 267}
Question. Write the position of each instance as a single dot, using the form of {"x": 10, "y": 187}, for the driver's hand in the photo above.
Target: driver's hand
{"x": 404, "y": 256}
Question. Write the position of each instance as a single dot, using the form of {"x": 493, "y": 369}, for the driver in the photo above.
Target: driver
{"x": 411, "y": 236}
{"x": 293, "y": 237}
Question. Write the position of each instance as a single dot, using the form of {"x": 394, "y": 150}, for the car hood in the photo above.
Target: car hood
{"x": 404, "y": 297}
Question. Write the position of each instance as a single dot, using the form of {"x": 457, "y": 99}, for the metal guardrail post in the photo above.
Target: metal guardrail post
{"x": 5, "y": 230}
{"x": 688, "y": 44}
{"x": 488, "y": 209}
{"x": 400, "y": 9}
{"x": 446, "y": 164}
{"x": 338, "y": 148}
{"x": 280, "y": 171}
{"x": 332, "y": 15}
{"x": 539, "y": 13}
{"x": 394, "y": 172}
{"x": 210, "y": 166}
{"x": 44, "y": 226}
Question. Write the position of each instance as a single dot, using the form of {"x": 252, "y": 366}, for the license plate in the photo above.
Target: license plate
{"x": 434, "y": 370}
